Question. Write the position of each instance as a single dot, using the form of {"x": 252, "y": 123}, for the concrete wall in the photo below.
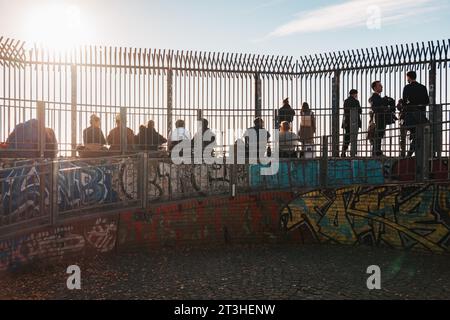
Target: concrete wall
{"x": 407, "y": 217}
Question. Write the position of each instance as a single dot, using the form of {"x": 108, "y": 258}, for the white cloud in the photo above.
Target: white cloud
{"x": 354, "y": 13}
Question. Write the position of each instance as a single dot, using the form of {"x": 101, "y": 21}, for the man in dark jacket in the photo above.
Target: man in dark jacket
{"x": 415, "y": 99}
{"x": 351, "y": 103}
{"x": 93, "y": 134}
{"x": 286, "y": 113}
{"x": 383, "y": 109}
{"x": 148, "y": 138}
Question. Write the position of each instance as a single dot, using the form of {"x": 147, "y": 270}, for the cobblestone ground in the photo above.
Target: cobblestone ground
{"x": 240, "y": 272}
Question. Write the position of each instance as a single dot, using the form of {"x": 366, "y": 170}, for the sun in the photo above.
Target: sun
{"x": 56, "y": 26}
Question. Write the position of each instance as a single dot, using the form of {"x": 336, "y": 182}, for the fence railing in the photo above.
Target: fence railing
{"x": 230, "y": 90}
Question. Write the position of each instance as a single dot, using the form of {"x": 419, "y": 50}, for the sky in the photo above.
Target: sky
{"x": 274, "y": 27}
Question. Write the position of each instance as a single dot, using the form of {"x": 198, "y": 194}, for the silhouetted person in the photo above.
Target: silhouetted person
{"x": 286, "y": 113}
{"x": 207, "y": 137}
{"x": 93, "y": 134}
{"x": 177, "y": 135}
{"x": 415, "y": 99}
{"x": 288, "y": 141}
{"x": 24, "y": 141}
{"x": 262, "y": 138}
{"x": 114, "y": 136}
{"x": 351, "y": 103}
{"x": 307, "y": 126}
{"x": 148, "y": 138}
{"x": 383, "y": 109}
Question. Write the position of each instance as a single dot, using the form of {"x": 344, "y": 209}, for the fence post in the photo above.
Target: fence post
{"x": 144, "y": 180}
{"x": 123, "y": 130}
{"x": 54, "y": 192}
{"x": 40, "y": 106}
{"x": 169, "y": 100}
{"x": 73, "y": 108}
{"x": 324, "y": 162}
{"x": 258, "y": 95}
{"x": 354, "y": 127}
{"x": 435, "y": 113}
{"x": 423, "y": 152}
{"x": 335, "y": 113}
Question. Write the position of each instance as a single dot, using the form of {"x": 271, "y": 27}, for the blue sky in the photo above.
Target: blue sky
{"x": 286, "y": 27}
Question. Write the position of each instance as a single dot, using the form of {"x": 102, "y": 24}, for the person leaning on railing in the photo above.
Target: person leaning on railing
{"x": 416, "y": 99}
{"x": 93, "y": 135}
{"x": 114, "y": 136}
{"x": 177, "y": 135}
{"x": 23, "y": 141}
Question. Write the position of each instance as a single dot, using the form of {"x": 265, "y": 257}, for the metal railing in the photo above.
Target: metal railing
{"x": 228, "y": 89}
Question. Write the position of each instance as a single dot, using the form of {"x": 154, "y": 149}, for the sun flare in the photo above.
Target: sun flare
{"x": 57, "y": 26}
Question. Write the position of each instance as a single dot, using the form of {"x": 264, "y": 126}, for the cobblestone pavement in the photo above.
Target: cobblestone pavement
{"x": 240, "y": 272}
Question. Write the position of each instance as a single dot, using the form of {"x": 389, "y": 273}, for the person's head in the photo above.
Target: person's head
{"x": 377, "y": 86}
{"x": 411, "y": 76}
{"x": 286, "y": 101}
{"x": 151, "y": 124}
{"x": 353, "y": 93}
{"x": 258, "y": 122}
{"x": 179, "y": 123}
{"x": 305, "y": 106}
{"x": 205, "y": 124}
{"x": 95, "y": 121}
{"x": 141, "y": 128}
{"x": 400, "y": 102}
{"x": 285, "y": 126}
{"x": 118, "y": 120}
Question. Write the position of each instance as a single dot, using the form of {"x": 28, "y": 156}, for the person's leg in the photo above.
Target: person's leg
{"x": 403, "y": 132}
{"x": 379, "y": 135}
{"x": 346, "y": 141}
{"x": 413, "y": 138}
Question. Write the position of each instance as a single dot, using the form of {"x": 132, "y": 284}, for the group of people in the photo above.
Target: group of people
{"x": 412, "y": 112}
{"x": 411, "y": 108}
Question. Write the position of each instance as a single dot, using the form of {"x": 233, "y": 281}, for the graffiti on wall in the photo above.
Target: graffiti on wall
{"x": 407, "y": 217}
{"x": 306, "y": 174}
{"x": 56, "y": 243}
{"x": 79, "y": 184}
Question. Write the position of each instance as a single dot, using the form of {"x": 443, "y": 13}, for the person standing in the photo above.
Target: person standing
{"x": 262, "y": 137}
{"x": 307, "y": 129}
{"x": 286, "y": 113}
{"x": 415, "y": 99}
{"x": 350, "y": 104}
{"x": 383, "y": 114}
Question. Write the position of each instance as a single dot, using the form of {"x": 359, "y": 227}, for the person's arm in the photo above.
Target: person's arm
{"x": 109, "y": 138}
{"x": 405, "y": 95}
{"x": 84, "y": 137}
{"x": 161, "y": 139}
{"x": 313, "y": 122}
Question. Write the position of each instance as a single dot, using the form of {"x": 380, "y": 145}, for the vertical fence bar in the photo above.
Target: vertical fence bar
{"x": 73, "y": 107}
{"x": 169, "y": 100}
{"x": 54, "y": 192}
{"x": 435, "y": 113}
{"x": 335, "y": 113}
{"x": 324, "y": 162}
{"x": 144, "y": 180}
{"x": 123, "y": 130}
{"x": 40, "y": 106}
{"x": 258, "y": 97}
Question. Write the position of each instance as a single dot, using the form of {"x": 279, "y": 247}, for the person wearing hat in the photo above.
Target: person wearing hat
{"x": 93, "y": 134}
{"x": 114, "y": 137}
{"x": 351, "y": 103}
{"x": 286, "y": 113}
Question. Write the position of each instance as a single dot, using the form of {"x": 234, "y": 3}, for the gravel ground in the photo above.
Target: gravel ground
{"x": 240, "y": 272}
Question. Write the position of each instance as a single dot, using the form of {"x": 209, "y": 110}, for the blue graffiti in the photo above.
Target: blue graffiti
{"x": 79, "y": 185}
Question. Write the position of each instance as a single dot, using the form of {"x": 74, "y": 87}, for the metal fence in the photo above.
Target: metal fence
{"x": 228, "y": 89}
